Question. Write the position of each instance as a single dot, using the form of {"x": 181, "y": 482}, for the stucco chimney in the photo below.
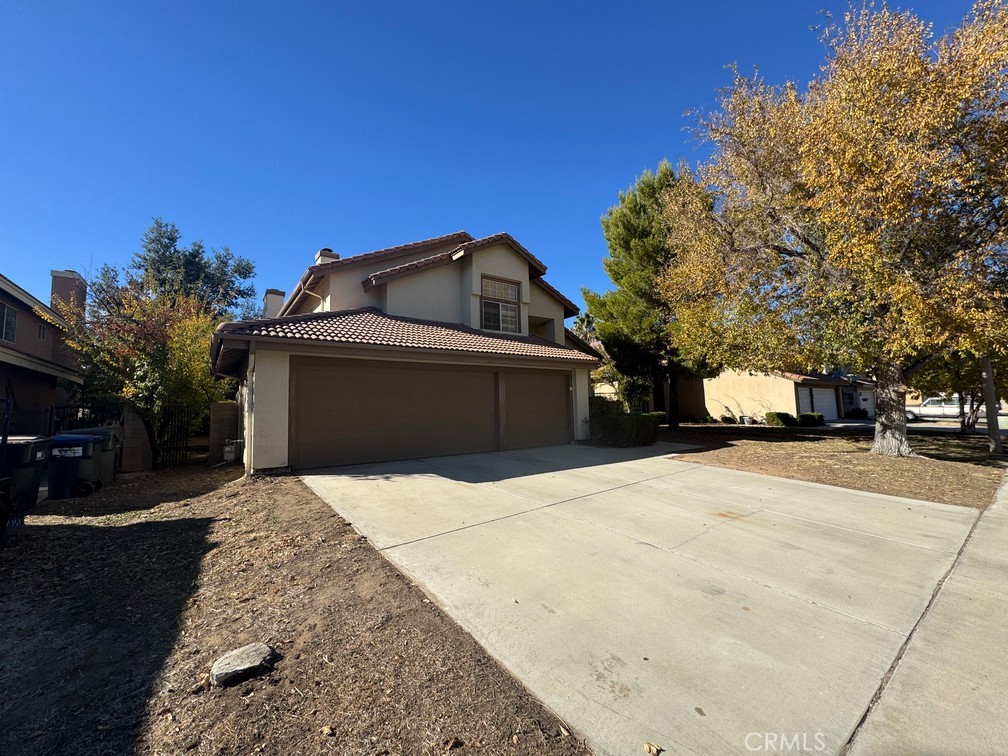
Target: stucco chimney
{"x": 273, "y": 300}
{"x": 68, "y": 286}
{"x": 325, "y": 255}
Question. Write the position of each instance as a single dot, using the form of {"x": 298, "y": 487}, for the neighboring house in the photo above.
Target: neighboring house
{"x": 37, "y": 371}
{"x": 754, "y": 394}
{"x": 444, "y": 346}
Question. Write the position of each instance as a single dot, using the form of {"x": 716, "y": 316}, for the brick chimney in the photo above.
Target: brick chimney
{"x": 67, "y": 286}
{"x": 325, "y": 255}
{"x": 273, "y": 300}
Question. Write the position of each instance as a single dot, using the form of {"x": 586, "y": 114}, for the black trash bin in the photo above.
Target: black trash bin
{"x": 24, "y": 462}
{"x": 107, "y": 452}
{"x": 73, "y": 465}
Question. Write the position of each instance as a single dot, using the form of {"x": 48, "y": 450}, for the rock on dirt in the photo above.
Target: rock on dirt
{"x": 241, "y": 664}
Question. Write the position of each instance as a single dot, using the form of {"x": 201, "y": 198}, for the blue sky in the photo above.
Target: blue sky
{"x": 279, "y": 128}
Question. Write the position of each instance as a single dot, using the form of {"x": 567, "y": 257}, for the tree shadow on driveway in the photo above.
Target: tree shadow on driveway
{"x": 88, "y": 616}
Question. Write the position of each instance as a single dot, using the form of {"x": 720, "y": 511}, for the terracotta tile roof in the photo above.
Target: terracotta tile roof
{"x": 814, "y": 379}
{"x": 316, "y": 273}
{"x": 444, "y": 258}
{"x": 371, "y": 327}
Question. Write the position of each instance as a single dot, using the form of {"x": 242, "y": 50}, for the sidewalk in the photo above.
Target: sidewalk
{"x": 949, "y": 691}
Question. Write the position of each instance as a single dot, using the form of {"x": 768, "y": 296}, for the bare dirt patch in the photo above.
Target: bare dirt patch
{"x": 953, "y": 469}
{"x": 114, "y": 607}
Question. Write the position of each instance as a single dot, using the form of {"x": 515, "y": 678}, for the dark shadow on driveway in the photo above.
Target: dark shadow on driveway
{"x": 495, "y": 466}
{"x": 88, "y": 616}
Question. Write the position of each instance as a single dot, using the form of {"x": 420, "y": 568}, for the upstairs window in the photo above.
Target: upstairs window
{"x": 41, "y": 332}
{"x": 9, "y": 324}
{"x": 500, "y": 306}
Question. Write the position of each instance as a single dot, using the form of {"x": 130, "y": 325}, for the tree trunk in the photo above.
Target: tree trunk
{"x": 890, "y": 413}
{"x": 992, "y": 403}
{"x": 673, "y": 399}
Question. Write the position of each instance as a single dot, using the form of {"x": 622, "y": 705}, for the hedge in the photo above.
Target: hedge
{"x": 811, "y": 419}
{"x": 622, "y": 429}
{"x": 780, "y": 419}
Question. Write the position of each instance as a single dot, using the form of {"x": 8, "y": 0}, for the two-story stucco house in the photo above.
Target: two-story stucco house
{"x": 445, "y": 346}
{"x": 37, "y": 371}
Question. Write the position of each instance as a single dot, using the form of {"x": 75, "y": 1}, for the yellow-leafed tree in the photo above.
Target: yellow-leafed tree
{"x": 859, "y": 223}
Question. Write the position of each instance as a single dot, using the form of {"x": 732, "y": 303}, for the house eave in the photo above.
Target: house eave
{"x": 39, "y": 365}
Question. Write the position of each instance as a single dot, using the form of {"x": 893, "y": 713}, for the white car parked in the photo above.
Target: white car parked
{"x": 939, "y": 406}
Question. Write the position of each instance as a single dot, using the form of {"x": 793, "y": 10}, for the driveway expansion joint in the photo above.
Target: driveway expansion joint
{"x": 884, "y": 682}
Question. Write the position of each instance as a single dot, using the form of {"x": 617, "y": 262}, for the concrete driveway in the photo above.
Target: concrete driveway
{"x": 644, "y": 598}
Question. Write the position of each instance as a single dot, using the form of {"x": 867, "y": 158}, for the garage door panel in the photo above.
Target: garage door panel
{"x": 352, "y": 411}
{"x": 825, "y": 402}
{"x": 537, "y": 409}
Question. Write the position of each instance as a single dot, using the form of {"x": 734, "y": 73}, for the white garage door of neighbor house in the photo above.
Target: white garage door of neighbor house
{"x": 804, "y": 399}
{"x": 825, "y": 402}
{"x": 356, "y": 411}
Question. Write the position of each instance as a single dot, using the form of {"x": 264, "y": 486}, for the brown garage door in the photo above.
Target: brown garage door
{"x": 536, "y": 409}
{"x": 351, "y": 411}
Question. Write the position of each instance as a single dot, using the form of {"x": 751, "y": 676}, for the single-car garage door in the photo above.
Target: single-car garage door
{"x": 536, "y": 409}
{"x": 351, "y": 411}
{"x": 824, "y": 400}
{"x": 345, "y": 412}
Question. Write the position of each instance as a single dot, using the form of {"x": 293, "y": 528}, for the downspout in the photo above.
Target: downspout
{"x": 250, "y": 410}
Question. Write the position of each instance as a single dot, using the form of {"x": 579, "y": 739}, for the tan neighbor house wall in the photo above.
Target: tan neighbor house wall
{"x": 748, "y": 394}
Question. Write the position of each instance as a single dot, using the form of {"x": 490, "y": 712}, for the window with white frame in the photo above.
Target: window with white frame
{"x": 9, "y": 323}
{"x": 500, "y": 305}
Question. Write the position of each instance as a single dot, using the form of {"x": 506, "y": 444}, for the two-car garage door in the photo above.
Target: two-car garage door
{"x": 353, "y": 411}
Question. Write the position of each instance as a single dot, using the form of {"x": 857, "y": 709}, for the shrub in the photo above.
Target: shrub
{"x": 858, "y": 413}
{"x": 622, "y": 429}
{"x": 811, "y": 419}
{"x": 599, "y": 405}
{"x": 708, "y": 419}
{"x": 728, "y": 419}
{"x": 780, "y": 419}
{"x": 686, "y": 419}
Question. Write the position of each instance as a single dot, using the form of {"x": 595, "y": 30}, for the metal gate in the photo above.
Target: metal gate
{"x": 173, "y": 436}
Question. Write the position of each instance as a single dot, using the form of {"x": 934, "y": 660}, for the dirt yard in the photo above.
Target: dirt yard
{"x": 113, "y": 609}
{"x": 952, "y": 469}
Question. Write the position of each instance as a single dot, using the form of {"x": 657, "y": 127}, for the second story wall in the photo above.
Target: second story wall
{"x": 32, "y": 335}
{"x": 496, "y": 262}
{"x": 434, "y": 294}
{"x": 546, "y": 315}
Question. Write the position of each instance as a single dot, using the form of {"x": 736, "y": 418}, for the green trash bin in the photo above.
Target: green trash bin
{"x": 73, "y": 465}
{"x": 107, "y": 451}
{"x": 24, "y": 462}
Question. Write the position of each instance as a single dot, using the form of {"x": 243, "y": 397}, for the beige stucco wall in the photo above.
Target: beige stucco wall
{"x": 582, "y": 390}
{"x": 746, "y": 394}
{"x": 344, "y": 291}
{"x": 543, "y": 305}
{"x": 266, "y": 434}
{"x": 497, "y": 261}
{"x": 432, "y": 294}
